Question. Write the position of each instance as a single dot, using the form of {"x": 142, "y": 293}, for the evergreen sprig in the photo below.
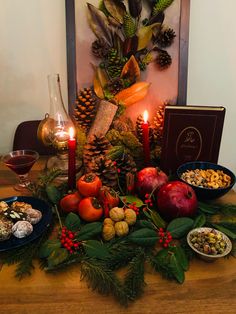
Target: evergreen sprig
{"x": 103, "y": 280}
{"x": 134, "y": 280}
{"x": 121, "y": 255}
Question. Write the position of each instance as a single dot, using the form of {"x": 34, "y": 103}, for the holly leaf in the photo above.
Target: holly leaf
{"x": 176, "y": 269}
{"x": 207, "y": 208}
{"x": 145, "y": 224}
{"x": 199, "y": 221}
{"x": 73, "y": 222}
{"x": 116, "y": 9}
{"x": 143, "y": 237}
{"x": 89, "y": 230}
{"x": 129, "y": 199}
{"x": 53, "y": 193}
{"x": 179, "y": 227}
{"x": 57, "y": 256}
{"x": 48, "y": 247}
{"x": 96, "y": 249}
{"x": 180, "y": 256}
{"x": 157, "y": 220}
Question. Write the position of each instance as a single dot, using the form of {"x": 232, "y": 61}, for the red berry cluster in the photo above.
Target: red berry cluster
{"x": 134, "y": 207}
{"x": 148, "y": 200}
{"x": 68, "y": 241}
{"x": 165, "y": 237}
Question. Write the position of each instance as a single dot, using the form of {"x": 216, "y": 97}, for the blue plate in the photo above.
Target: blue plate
{"x": 39, "y": 228}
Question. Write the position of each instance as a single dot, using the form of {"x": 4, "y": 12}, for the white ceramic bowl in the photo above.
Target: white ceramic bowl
{"x": 210, "y": 257}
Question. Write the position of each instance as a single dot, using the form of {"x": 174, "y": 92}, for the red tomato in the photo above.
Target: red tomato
{"x": 69, "y": 203}
{"x": 90, "y": 209}
{"x": 89, "y": 184}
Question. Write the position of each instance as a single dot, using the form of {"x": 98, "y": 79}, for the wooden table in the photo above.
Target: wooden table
{"x": 208, "y": 288}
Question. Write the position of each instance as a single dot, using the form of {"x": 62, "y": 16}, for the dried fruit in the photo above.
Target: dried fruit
{"x": 121, "y": 228}
{"x": 117, "y": 214}
{"x": 108, "y": 232}
{"x": 130, "y": 216}
{"x": 108, "y": 221}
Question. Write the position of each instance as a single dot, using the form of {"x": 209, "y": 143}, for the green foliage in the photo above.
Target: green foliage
{"x": 144, "y": 237}
{"x": 89, "y": 231}
{"x": 48, "y": 247}
{"x": 156, "y": 219}
{"x": 134, "y": 279}
{"x": 199, "y": 221}
{"x": 207, "y": 208}
{"x": 120, "y": 255}
{"x": 95, "y": 249}
{"x": 102, "y": 279}
{"x": 73, "y": 222}
{"x": 53, "y": 193}
{"x": 129, "y": 199}
{"x": 179, "y": 227}
{"x": 57, "y": 256}
{"x": 171, "y": 263}
{"x": 225, "y": 230}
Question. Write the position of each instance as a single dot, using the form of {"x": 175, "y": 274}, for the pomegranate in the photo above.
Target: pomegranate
{"x": 150, "y": 179}
{"x": 176, "y": 199}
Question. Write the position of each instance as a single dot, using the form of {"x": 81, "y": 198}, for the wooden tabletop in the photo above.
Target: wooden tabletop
{"x": 208, "y": 288}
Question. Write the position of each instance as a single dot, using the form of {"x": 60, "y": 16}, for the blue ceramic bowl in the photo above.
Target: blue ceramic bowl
{"x": 204, "y": 193}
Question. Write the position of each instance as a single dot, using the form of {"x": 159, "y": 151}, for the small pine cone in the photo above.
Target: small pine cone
{"x": 166, "y": 37}
{"x": 125, "y": 165}
{"x": 85, "y": 108}
{"x": 161, "y": 5}
{"x": 115, "y": 86}
{"x": 100, "y": 48}
{"x": 159, "y": 123}
{"x": 129, "y": 25}
{"x": 105, "y": 169}
{"x": 123, "y": 124}
{"x": 96, "y": 146}
{"x": 163, "y": 59}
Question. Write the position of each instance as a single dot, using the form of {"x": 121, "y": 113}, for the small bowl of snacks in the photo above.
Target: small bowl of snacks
{"x": 209, "y": 243}
{"x": 208, "y": 180}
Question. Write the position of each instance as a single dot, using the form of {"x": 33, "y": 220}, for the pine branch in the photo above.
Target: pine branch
{"x": 160, "y": 264}
{"x": 64, "y": 265}
{"x": 121, "y": 255}
{"x": 134, "y": 279}
{"x": 103, "y": 279}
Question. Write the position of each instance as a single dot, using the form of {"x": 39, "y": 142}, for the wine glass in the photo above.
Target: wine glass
{"x": 21, "y": 161}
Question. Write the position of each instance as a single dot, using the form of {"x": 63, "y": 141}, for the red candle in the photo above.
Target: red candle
{"x": 146, "y": 144}
{"x": 71, "y": 164}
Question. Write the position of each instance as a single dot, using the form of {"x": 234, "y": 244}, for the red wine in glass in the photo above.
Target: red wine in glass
{"x": 21, "y": 161}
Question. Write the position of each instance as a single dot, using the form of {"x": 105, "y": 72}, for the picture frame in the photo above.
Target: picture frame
{"x": 72, "y": 52}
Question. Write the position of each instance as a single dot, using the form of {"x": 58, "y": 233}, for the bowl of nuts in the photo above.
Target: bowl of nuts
{"x": 209, "y": 243}
{"x": 208, "y": 180}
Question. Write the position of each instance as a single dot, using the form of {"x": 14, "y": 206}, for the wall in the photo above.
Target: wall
{"x": 32, "y": 35}
{"x": 212, "y": 65}
{"x": 33, "y": 44}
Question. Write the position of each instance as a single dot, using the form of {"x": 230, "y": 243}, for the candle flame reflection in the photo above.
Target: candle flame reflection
{"x": 145, "y": 116}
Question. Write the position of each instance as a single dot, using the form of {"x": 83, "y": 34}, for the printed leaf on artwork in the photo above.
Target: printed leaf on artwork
{"x": 99, "y": 24}
{"x": 116, "y": 9}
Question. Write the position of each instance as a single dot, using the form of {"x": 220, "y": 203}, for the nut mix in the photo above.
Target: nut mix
{"x": 208, "y": 242}
{"x": 208, "y": 178}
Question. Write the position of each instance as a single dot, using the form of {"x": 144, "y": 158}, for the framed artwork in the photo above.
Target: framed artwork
{"x": 167, "y": 84}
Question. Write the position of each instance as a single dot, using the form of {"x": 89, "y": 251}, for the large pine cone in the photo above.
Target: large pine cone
{"x": 85, "y": 108}
{"x": 159, "y": 124}
{"x": 96, "y": 146}
{"x": 105, "y": 169}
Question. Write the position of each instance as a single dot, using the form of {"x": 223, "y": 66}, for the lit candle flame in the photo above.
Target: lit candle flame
{"x": 71, "y": 133}
{"x": 145, "y": 116}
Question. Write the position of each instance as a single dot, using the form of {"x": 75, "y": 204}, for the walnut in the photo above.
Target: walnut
{"x": 130, "y": 216}
{"x": 108, "y": 232}
{"x": 121, "y": 228}
{"x": 117, "y": 214}
{"x": 108, "y": 221}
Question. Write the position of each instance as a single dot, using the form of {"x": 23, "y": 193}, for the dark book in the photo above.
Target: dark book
{"x": 191, "y": 133}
